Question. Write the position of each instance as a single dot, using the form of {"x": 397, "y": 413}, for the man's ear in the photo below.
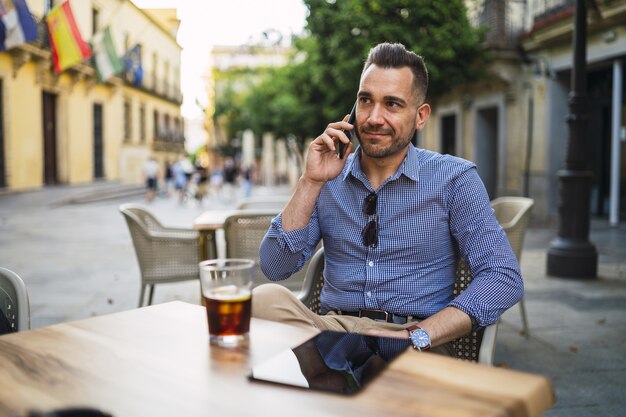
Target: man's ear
{"x": 423, "y": 112}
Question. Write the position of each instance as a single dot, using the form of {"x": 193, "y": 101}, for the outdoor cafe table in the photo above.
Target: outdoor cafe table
{"x": 156, "y": 361}
{"x": 207, "y": 225}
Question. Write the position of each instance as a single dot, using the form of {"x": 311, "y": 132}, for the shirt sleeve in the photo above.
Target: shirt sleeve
{"x": 283, "y": 253}
{"x": 497, "y": 282}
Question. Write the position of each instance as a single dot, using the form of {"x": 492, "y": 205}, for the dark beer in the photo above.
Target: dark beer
{"x": 228, "y": 312}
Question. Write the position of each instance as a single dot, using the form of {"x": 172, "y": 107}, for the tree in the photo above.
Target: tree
{"x": 320, "y": 83}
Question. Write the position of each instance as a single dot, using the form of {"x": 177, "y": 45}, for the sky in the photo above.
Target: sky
{"x": 205, "y": 23}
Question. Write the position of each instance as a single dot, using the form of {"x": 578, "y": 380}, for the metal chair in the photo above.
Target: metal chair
{"x": 165, "y": 254}
{"x": 478, "y": 346}
{"x": 244, "y": 231}
{"x": 14, "y": 300}
{"x": 513, "y": 214}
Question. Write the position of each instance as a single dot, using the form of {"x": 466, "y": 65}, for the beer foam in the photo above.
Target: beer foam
{"x": 229, "y": 293}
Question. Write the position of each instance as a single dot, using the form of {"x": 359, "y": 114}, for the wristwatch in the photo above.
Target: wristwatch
{"x": 419, "y": 337}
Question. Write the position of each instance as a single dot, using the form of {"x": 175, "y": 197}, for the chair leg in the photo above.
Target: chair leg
{"x": 141, "y": 294}
{"x": 522, "y": 309}
{"x": 150, "y": 294}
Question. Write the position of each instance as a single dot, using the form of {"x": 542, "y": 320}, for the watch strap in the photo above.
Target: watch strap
{"x": 412, "y": 328}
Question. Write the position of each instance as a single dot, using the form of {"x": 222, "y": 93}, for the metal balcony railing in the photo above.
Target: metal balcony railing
{"x": 543, "y": 10}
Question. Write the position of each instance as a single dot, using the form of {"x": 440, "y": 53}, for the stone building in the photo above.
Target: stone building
{"x": 512, "y": 124}
{"x": 70, "y": 128}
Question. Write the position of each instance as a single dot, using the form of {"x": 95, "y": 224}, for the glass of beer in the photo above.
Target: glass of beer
{"x": 227, "y": 292}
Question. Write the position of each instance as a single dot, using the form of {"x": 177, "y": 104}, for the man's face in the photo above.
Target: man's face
{"x": 388, "y": 113}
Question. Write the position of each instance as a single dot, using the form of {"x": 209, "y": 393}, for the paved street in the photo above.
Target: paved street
{"x": 72, "y": 248}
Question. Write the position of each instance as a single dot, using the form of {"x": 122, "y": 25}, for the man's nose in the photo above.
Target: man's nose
{"x": 375, "y": 116}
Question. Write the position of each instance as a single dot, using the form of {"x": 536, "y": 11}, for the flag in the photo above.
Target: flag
{"x": 132, "y": 61}
{"x": 17, "y": 25}
{"x": 107, "y": 61}
{"x": 68, "y": 46}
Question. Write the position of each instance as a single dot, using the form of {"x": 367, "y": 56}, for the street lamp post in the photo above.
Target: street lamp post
{"x": 571, "y": 254}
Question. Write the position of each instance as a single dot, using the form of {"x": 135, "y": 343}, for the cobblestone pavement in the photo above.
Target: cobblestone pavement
{"x": 72, "y": 248}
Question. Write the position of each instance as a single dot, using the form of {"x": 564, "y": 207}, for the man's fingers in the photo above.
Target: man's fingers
{"x": 343, "y": 125}
{"x": 337, "y": 134}
{"x": 328, "y": 141}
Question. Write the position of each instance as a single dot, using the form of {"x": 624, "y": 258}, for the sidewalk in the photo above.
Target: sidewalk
{"x": 577, "y": 327}
{"x": 72, "y": 248}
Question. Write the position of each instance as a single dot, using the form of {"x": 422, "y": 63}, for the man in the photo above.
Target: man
{"x": 393, "y": 219}
{"x": 150, "y": 174}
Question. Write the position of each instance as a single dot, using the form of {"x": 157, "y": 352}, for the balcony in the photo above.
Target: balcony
{"x": 546, "y": 12}
{"x": 169, "y": 140}
{"x": 505, "y": 20}
{"x": 151, "y": 84}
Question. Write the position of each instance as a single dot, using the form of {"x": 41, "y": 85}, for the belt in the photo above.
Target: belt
{"x": 378, "y": 315}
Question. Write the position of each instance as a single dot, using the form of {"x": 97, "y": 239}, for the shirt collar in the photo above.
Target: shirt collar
{"x": 409, "y": 168}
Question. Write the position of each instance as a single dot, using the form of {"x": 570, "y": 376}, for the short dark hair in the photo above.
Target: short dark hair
{"x": 395, "y": 55}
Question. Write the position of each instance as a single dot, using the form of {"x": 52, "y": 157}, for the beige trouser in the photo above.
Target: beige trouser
{"x": 276, "y": 303}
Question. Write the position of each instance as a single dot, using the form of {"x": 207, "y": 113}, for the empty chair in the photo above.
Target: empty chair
{"x": 243, "y": 232}
{"x": 165, "y": 254}
{"x": 478, "y": 346}
{"x": 513, "y": 214}
{"x": 14, "y": 300}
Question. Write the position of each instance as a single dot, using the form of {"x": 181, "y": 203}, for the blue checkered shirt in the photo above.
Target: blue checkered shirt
{"x": 432, "y": 210}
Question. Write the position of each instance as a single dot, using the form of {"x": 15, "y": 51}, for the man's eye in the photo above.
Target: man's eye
{"x": 393, "y": 104}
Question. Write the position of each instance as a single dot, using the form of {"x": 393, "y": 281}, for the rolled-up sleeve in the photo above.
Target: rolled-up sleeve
{"x": 497, "y": 282}
{"x": 283, "y": 253}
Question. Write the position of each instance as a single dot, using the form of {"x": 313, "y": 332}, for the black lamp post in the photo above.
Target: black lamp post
{"x": 571, "y": 254}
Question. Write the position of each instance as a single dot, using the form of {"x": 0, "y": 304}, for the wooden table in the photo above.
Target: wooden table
{"x": 156, "y": 361}
{"x": 207, "y": 225}
{"x": 209, "y": 222}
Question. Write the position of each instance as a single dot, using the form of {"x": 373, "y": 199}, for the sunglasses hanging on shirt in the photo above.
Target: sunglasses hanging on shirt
{"x": 370, "y": 231}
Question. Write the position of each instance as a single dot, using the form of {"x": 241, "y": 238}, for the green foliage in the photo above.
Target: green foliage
{"x": 320, "y": 84}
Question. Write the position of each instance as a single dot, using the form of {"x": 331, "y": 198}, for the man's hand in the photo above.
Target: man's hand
{"x": 398, "y": 334}
{"x": 322, "y": 163}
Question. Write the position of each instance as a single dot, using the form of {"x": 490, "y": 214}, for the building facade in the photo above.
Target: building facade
{"x": 70, "y": 128}
{"x": 512, "y": 124}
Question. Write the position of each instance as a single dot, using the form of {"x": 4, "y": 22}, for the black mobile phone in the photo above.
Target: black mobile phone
{"x": 341, "y": 147}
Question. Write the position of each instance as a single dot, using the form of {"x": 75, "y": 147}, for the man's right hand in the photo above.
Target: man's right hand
{"x": 322, "y": 163}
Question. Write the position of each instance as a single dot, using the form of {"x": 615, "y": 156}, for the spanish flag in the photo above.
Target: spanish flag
{"x": 68, "y": 46}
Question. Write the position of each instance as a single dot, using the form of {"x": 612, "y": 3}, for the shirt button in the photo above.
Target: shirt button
{"x": 369, "y": 293}
{"x": 371, "y": 263}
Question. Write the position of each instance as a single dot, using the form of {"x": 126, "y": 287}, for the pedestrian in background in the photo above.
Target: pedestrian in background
{"x": 247, "y": 180}
{"x": 168, "y": 176}
{"x": 180, "y": 179}
{"x": 230, "y": 178}
{"x": 202, "y": 181}
{"x": 151, "y": 173}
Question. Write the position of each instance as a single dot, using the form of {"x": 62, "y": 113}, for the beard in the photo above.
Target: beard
{"x": 396, "y": 146}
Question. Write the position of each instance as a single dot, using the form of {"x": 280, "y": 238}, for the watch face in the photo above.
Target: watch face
{"x": 420, "y": 339}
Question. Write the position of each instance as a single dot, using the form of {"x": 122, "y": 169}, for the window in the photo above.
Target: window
{"x": 127, "y": 121}
{"x": 142, "y": 123}
{"x": 154, "y": 71}
{"x": 166, "y": 76}
{"x": 167, "y": 128}
{"x": 178, "y": 133}
{"x": 95, "y": 21}
{"x": 155, "y": 125}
